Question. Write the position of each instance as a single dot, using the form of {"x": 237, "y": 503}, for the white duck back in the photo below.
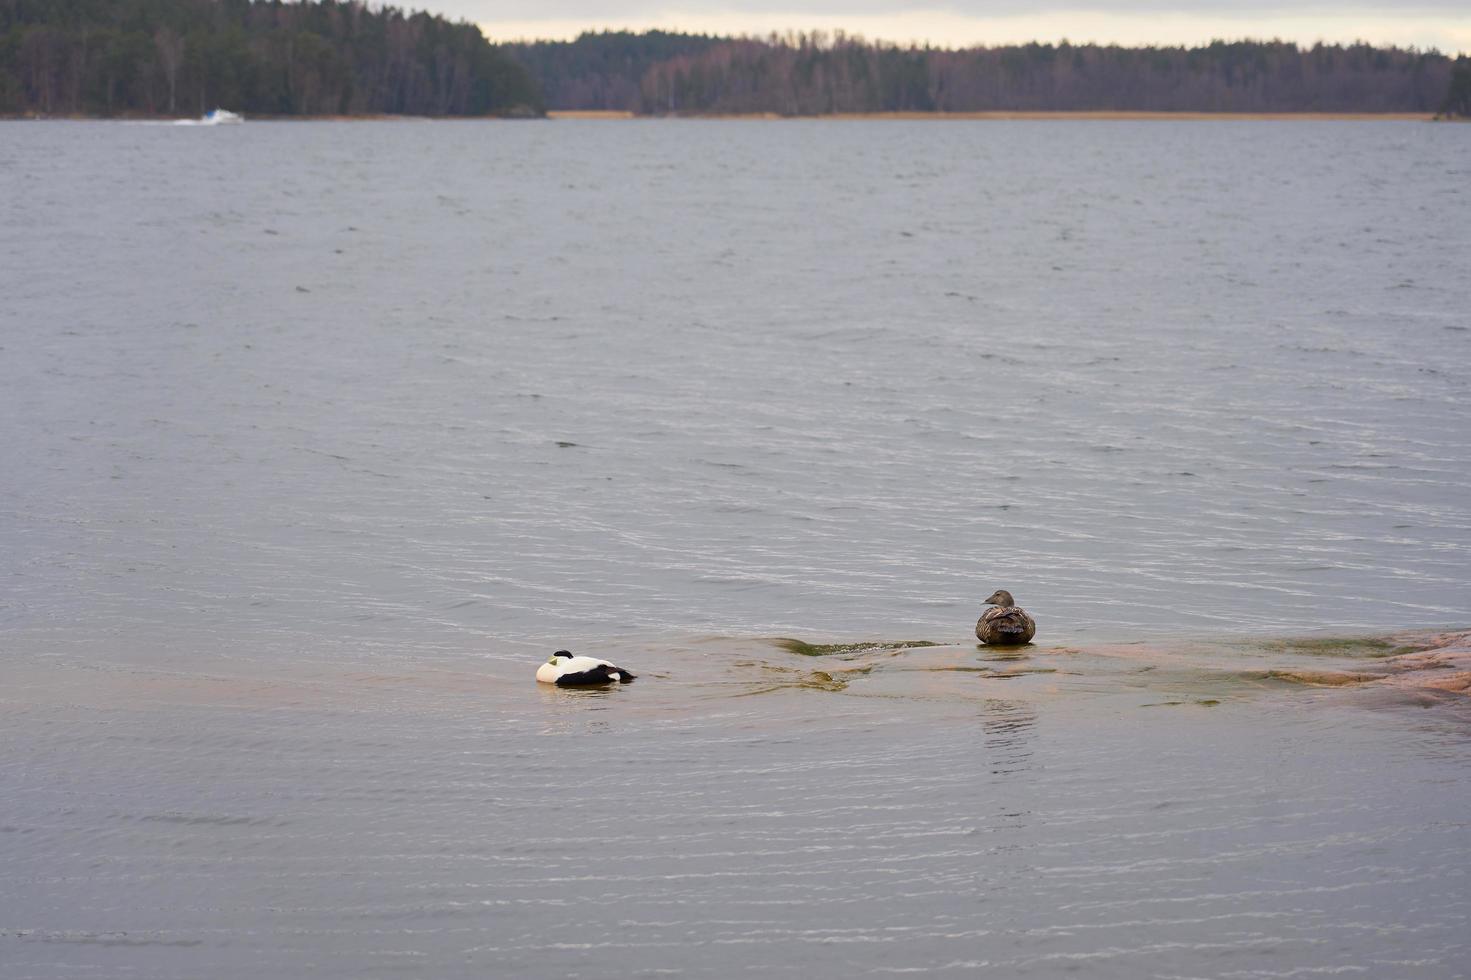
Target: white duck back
{"x": 558, "y": 668}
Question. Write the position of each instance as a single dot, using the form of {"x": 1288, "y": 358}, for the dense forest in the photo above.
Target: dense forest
{"x": 350, "y": 57}
{"x": 1458, "y": 99}
{"x": 264, "y": 57}
{"x": 606, "y": 70}
{"x": 813, "y": 74}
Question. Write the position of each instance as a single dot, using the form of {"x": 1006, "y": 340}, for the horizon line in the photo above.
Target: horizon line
{"x": 780, "y": 36}
{"x": 1447, "y": 36}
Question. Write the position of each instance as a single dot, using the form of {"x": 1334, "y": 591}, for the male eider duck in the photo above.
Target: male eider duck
{"x": 565, "y": 670}
{"x": 1007, "y": 624}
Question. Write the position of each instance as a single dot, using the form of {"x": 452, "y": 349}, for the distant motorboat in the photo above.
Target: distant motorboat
{"x": 215, "y": 117}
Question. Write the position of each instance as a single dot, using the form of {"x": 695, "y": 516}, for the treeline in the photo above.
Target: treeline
{"x": 818, "y": 73}
{"x": 1458, "y": 99}
{"x": 331, "y": 57}
{"x": 263, "y": 57}
{"x": 606, "y": 70}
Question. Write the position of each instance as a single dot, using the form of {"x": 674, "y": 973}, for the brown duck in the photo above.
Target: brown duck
{"x": 1007, "y": 624}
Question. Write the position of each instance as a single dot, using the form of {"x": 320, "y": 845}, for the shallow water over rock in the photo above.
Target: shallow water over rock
{"x": 1122, "y": 811}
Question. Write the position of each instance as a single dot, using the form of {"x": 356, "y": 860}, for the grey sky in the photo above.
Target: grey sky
{"x": 597, "y": 10}
{"x": 1445, "y": 24}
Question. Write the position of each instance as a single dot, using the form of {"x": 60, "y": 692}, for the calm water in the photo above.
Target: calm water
{"x": 320, "y": 436}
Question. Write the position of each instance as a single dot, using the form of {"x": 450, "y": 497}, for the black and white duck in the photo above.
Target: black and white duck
{"x": 565, "y": 670}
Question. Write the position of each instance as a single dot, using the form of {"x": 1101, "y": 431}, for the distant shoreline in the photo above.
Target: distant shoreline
{"x": 1008, "y": 114}
{"x": 1002, "y": 115}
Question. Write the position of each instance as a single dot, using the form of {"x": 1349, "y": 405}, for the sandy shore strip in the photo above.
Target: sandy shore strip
{"x": 1105, "y": 115}
{"x": 1130, "y": 115}
{"x": 1006, "y": 115}
{"x": 590, "y": 114}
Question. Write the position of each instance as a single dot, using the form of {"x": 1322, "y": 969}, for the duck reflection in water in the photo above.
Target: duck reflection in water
{"x": 1008, "y": 731}
{"x": 1007, "y": 726}
{"x": 577, "y": 710}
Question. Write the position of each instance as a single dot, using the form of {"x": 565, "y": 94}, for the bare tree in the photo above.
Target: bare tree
{"x": 170, "y": 56}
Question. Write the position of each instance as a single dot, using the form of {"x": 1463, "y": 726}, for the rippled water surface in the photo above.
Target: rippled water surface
{"x": 318, "y": 437}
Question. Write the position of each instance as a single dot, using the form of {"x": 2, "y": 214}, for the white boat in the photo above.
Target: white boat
{"x": 215, "y": 117}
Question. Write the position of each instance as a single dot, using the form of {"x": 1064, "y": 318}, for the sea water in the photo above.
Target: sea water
{"x": 319, "y": 437}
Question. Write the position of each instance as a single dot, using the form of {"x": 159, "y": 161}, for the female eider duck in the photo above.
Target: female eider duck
{"x": 565, "y": 670}
{"x": 1007, "y": 624}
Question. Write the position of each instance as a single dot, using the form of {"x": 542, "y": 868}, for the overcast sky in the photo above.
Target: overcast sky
{"x": 1444, "y": 24}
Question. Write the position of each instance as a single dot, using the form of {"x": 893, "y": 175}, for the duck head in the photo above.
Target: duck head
{"x": 564, "y": 654}
{"x": 1001, "y": 598}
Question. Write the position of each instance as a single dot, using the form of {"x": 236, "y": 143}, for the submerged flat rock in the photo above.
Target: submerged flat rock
{"x": 1443, "y": 665}
{"x": 1183, "y": 671}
